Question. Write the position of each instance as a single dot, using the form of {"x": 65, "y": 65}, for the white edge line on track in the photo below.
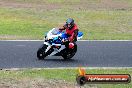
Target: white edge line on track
{"x": 67, "y": 68}
{"x": 78, "y": 40}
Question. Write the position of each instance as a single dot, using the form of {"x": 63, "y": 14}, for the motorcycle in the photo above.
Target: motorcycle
{"x": 55, "y": 45}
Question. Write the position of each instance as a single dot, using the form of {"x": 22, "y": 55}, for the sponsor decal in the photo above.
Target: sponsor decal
{"x": 83, "y": 78}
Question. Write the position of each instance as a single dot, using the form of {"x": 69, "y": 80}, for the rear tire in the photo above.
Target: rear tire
{"x": 41, "y": 52}
{"x": 70, "y": 53}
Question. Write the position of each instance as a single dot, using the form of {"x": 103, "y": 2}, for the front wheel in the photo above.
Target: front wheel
{"x": 70, "y": 53}
{"x": 41, "y": 52}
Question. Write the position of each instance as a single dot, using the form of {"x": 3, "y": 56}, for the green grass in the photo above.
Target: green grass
{"x": 32, "y": 22}
{"x": 69, "y": 75}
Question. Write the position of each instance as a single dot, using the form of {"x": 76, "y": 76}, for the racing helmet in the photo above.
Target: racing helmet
{"x": 69, "y": 23}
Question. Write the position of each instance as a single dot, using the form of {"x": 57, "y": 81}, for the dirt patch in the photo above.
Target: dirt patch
{"x": 102, "y": 5}
{"x": 39, "y": 83}
{"x": 114, "y": 5}
{"x": 12, "y": 4}
{"x": 33, "y": 83}
{"x": 82, "y": 5}
{"x": 4, "y": 86}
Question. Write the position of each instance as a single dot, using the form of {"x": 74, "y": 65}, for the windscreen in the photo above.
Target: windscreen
{"x": 55, "y": 31}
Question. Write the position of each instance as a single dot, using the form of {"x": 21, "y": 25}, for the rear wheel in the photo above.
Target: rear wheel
{"x": 41, "y": 52}
{"x": 70, "y": 53}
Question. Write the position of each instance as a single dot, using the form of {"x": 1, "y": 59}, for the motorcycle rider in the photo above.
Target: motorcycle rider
{"x": 72, "y": 31}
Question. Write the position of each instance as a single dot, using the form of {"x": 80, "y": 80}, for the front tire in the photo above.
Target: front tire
{"x": 41, "y": 52}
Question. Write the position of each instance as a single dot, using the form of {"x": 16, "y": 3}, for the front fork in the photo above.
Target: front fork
{"x": 49, "y": 46}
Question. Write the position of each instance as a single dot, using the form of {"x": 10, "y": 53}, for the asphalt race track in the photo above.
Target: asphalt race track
{"x": 22, "y": 54}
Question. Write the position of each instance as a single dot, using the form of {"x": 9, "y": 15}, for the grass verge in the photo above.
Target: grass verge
{"x": 97, "y": 19}
{"x": 56, "y": 77}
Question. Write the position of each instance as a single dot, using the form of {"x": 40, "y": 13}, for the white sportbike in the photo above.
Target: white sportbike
{"x": 55, "y": 45}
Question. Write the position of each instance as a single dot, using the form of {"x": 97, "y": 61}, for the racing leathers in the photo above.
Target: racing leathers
{"x": 72, "y": 34}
